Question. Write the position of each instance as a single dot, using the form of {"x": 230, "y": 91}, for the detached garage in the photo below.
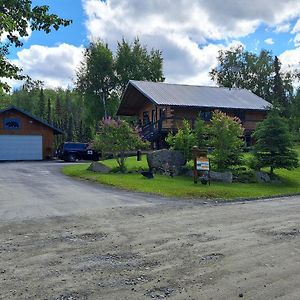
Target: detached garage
{"x": 24, "y": 136}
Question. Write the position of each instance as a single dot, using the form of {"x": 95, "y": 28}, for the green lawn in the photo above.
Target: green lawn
{"x": 184, "y": 186}
{"x": 131, "y": 163}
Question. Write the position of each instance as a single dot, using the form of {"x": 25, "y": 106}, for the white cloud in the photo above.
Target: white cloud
{"x": 296, "y": 27}
{"x": 297, "y": 40}
{"x": 285, "y": 27}
{"x": 269, "y": 41}
{"x": 290, "y": 60}
{"x": 184, "y": 29}
{"x": 55, "y": 66}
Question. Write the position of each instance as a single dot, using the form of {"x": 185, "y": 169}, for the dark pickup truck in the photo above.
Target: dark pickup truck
{"x": 72, "y": 152}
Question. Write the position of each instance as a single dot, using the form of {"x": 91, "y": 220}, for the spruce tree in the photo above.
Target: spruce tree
{"x": 273, "y": 147}
{"x": 49, "y": 111}
{"x": 279, "y": 95}
{"x": 41, "y": 104}
{"x": 58, "y": 112}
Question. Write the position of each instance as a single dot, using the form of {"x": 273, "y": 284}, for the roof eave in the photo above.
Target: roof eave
{"x": 55, "y": 129}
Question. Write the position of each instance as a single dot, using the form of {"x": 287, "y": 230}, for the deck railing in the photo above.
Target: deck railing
{"x": 164, "y": 125}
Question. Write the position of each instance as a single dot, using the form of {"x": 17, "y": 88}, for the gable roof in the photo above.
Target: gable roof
{"x": 195, "y": 96}
{"x": 55, "y": 129}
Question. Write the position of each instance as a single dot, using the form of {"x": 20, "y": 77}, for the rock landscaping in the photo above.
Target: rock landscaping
{"x": 169, "y": 162}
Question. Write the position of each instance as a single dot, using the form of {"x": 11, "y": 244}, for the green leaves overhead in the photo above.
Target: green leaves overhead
{"x": 259, "y": 73}
{"x": 102, "y": 76}
{"x": 133, "y": 61}
{"x": 17, "y": 18}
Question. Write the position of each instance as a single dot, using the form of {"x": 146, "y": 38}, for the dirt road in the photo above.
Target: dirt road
{"x": 175, "y": 251}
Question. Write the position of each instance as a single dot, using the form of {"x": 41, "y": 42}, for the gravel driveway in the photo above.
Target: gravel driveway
{"x": 65, "y": 239}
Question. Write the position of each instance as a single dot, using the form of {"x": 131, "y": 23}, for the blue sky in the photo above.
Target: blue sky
{"x": 189, "y": 32}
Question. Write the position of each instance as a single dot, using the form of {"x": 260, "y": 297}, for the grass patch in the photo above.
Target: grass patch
{"x": 183, "y": 187}
{"x": 131, "y": 163}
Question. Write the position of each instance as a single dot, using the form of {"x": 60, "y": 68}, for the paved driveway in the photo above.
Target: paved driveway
{"x": 38, "y": 189}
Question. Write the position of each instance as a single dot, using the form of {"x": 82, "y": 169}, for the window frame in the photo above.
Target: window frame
{"x": 6, "y": 120}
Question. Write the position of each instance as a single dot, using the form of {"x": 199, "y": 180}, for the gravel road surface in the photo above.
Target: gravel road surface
{"x": 65, "y": 239}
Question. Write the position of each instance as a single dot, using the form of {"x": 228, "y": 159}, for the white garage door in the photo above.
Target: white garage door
{"x": 21, "y": 147}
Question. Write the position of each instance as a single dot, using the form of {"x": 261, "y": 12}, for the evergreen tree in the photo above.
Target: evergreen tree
{"x": 49, "y": 119}
{"x": 273, "y": 147}
{"x": 280, "y": 99}
{"x": 41, "y": 105}
{"x": 295, "y": 115}
{"x": 70, "y": 128}
{"x": 58, "y": 112}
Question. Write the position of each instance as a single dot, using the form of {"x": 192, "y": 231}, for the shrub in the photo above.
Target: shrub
{"x": 183, "y": 140}
{"x": 226, "y": 139}
{"x": 117, "y": 137}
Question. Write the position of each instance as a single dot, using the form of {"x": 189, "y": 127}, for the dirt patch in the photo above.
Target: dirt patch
{"x": 71, "y": 296}
{"x": 160, "y": 293}
{"x": 285, "y": 234}
{"x": 156, "y": 252}
{"x": 211, "y": 257}
{"x": 201, "y": 237}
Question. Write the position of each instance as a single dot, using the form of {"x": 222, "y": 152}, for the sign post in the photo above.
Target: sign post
{"x": 201, "y": 165}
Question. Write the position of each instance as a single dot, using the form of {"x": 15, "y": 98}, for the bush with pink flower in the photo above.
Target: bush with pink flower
{"x": 117, "y": 137}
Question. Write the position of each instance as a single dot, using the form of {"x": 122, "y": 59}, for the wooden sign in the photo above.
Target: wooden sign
{"x": 202, "y": 164}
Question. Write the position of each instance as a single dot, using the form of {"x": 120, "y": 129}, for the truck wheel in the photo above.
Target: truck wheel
{"x": 71, "y": 157}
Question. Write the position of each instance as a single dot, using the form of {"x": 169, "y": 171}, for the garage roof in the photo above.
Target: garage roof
{"x": 55, "y": 129}
{"x": 162, "y": 93}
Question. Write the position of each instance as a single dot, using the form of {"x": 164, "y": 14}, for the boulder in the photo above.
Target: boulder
{"x": 98, "y": 167}
{"x": 262, "y": 177}
{"x": 221, "y": 176}
{"x": 169, "y": 162}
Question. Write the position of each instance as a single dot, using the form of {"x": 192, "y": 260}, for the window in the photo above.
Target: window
{"x": 11, "y": 123}
{"x": 75, "y": 146}
{"x": 205, "y": 115}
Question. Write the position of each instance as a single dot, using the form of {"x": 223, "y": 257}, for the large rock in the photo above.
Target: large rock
{"x": 262, "y": 177}
{"x": 98, "y": 167}
{"x": 221, "y": 176}
{"x": 166, "y": 161}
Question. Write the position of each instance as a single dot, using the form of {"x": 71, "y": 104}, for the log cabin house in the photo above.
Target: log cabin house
{"x": 160, "y": 107}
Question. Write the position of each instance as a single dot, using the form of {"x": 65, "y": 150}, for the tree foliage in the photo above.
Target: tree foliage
{"x": 61, "y": 108}
{"x": 225, "y": 136}
{"x": 17, "y": 17}
{"x": 261, "y": 74}
{"x": 96, "y": 78}
{"x": 117, "y": 137}
{"x": 184, "y": 140}
{"x": 273, "y": 147}
{"x": 282, "y": 89}
{"x": 102, "y": 76}
{"x": 133, "y": 61}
